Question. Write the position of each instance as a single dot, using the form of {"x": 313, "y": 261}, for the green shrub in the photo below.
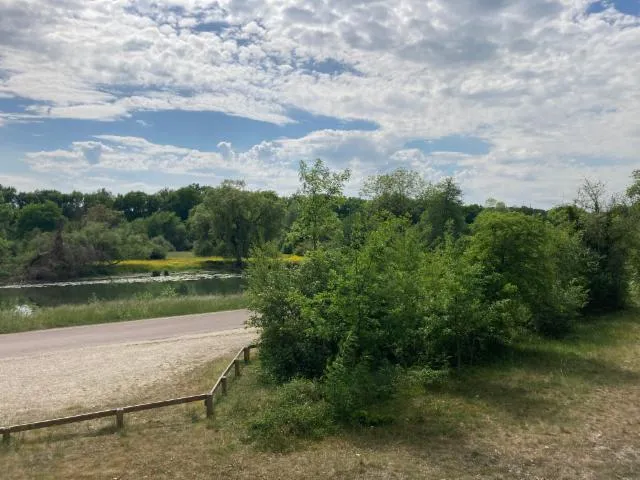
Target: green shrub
{"x": 159, "y": 248}
{"x": 296, "y": 412}
{"x": 535, "y": 258}
{"x": 353, "y": 390}
{"x": 296, "y": 340}
{"x": 462, "y": 324}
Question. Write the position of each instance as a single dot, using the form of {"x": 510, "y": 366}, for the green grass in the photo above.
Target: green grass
{"x": 117, "y": 311}
{"x": 564, "y": 409}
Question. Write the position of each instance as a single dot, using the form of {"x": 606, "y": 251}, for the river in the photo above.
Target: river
{"x": 116, "y": 288}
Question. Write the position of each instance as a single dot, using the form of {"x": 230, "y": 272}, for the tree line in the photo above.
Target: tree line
{"x": 51, "y": 235}
{"x": 411, "y": 282}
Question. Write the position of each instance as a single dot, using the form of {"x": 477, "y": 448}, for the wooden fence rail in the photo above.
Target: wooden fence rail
{"x": 219, "y": 386}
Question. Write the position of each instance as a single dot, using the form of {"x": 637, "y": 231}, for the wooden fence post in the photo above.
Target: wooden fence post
{"x": 119, "y": 419}
{"x": 247, "y": 354}
{"x": 208, "y": 403}
{"x": 236, "y": 364}
{"x": 223, "y": 384}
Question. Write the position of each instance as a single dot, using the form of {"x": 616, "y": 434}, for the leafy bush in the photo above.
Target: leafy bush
{"x": 542, "y": 263}
{"x": 462, "y": 323}
{"x": 297, "y": 411}
{"x": 393, "y": 298}
{"x": 159, "y": 248}
{"x": 353, "y": 317}
{"x": 295, "y": 339}
{"x": 352, "y": 387}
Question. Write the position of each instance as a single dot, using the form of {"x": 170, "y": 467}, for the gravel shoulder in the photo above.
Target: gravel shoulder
{"x": 70, "y": 381}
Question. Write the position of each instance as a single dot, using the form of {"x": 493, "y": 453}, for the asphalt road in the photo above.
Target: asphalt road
{"x": 43, "y": 341}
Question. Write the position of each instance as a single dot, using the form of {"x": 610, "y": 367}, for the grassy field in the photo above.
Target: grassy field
{"x": 117, "y": 311}
{"x": 551, "y": 410}
{"x": 179, "y": 262}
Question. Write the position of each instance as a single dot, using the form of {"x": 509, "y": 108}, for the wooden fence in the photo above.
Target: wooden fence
{"x": 220, "y": 386}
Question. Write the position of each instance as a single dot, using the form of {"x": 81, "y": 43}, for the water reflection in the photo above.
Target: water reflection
{"x": 116, "y": 288}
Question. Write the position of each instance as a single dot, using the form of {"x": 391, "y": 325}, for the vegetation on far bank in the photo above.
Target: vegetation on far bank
{"x": 545, "y": 409}
{"x": 142, "y": 307}
{"x": 183, "y": 261}
{"x": 49, "y": 235}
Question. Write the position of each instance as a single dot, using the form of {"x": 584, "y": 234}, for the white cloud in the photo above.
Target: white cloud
{"x": 273, "y": 165}
{"x": 540, "y": 80}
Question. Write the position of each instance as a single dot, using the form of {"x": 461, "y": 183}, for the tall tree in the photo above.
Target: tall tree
{"x": 395, "y": 192}
{"x": 231, "y": 220}
{"x": 319, "y": 198}
{"x": 42, "y": 216}
{"x": 169, "y": 226}
{"x": 442, "y": 210}
{"x": 182, "y": 200}
{"x": 633, "y": 192}
{"x": 604, "y": 226}
{"x": 136, "y": 205}
{"x": 99, "y": 197}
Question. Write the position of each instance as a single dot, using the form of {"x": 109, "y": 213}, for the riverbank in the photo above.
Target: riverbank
{"x": 21, "y": 320}
{"x": 176, "y": 262}
{"x": 181, "y": 262}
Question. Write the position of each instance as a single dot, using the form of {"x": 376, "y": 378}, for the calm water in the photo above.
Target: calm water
{"x": 52, "y": 294}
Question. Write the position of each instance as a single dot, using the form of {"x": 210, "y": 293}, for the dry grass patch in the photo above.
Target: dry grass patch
{"x": 550, "y": 410}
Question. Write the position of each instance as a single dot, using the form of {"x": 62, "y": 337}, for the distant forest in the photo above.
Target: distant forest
{"x": 51, "y": 235}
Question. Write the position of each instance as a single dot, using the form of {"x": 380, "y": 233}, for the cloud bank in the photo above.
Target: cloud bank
{"x": 551, "y": 86}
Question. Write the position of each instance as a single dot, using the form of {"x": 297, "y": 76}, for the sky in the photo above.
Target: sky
{"x": 518, "y": 100}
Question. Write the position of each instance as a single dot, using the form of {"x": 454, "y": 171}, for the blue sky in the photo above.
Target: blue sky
{"x": 517, "y": 100}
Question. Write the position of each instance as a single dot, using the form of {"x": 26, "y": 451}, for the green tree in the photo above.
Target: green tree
{"x": 442, "y": 211}
{"x": 633, "y": 192}
{"x": 73, "y": 205}
{"x": 470, "y": 212}
{"x": 231, "y": 219}
{"x": 7, "y": 217}
{"x": 9, "y": 195}
{"x": 169, "y": 226}
{"x": 100, "y": 213}
{"x": 99, "y": 197}
{"x": 462, "y": 324}
{"x": 5, "y": 256}
{"x": 182, "y": 200}
{"x": 319, "y": 198}
{"x": 136, "y": 205}
{"x": 395, "y": 192}
{"x": 606, "y": 229}
{"x": 45, "y": 217}
{"x": 70, "y": 253}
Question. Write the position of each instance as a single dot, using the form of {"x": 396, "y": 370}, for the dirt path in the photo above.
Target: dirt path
{"x": 38, "y": 386}
{"x": 44, "y": 341}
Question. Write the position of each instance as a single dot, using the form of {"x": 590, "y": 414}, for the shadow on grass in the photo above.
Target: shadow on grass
{"x": 54, "y": 435}
{"x": 535, "y": 381}
{"x": 146, "y": 424}
{"x": 584, "y": 367}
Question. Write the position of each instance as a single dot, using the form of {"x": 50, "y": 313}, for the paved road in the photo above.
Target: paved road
{"x": 43, "y": 341}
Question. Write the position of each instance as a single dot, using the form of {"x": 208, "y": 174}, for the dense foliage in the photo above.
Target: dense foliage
{"x": 411, "y": 287}
{"x": 572, "y": 254}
